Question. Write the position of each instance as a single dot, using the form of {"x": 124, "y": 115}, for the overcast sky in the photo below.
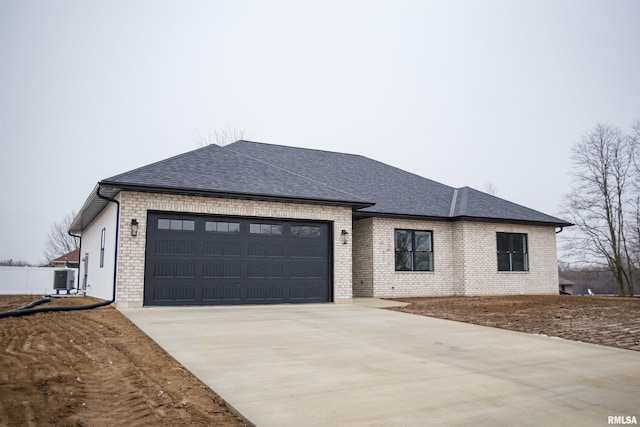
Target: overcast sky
{"x": 465, "y": 93}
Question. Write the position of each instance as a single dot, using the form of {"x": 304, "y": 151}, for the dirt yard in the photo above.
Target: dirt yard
{"x": 609, "y": 321}
{"x": 95, "y": 368}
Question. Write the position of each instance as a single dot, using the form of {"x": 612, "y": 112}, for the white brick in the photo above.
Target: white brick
{"x": 131, "y": 257}
{"x": 465, "y": 260}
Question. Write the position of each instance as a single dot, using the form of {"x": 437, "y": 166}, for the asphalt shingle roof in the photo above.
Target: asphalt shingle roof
{"x": 252, "y": 169}
{"x": 216, "y": 169}
{"x": 471, "y": 203}
{"x": 394, "y": 191}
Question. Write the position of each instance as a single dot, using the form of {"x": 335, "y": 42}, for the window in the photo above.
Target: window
{"x": 176, "y": 224}
{"x": 103, "y": 237}
{"x": 512, "y": 252}
{"x": 305, "y": 230}
{"x": 265, "y": 229}
{"x": 222, "y": 227}
{"x": 414, "y": 250}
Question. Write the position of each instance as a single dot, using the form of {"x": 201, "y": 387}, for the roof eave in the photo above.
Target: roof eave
{"x": 92, "y": 207}
{"x": 559, "y": 223}
{"x": 358, "y": 204}
{"x": 462, "y": 218}
{"x": 94, "y": 204}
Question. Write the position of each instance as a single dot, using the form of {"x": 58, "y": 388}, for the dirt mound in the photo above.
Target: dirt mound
{"x": 94, "y": 367}
{"x": 609, "y": 321}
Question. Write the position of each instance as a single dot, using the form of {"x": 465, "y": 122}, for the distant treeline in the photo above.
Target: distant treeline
{"x": 599, "y": 281}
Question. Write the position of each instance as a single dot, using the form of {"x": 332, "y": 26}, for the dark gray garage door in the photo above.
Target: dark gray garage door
{"x": 207, "y": 260}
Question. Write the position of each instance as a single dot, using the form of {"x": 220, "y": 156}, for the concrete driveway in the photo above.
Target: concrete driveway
{"x": 356, "y": 365}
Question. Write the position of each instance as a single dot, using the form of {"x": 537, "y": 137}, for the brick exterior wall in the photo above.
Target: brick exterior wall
{"x": 481, "y": 275}
{"x": 363, "y": 258}
{"x": 464, "y": 251}
{"x": 131, "y": 255}
{"x": 390, "y": 283}
{"x": 465, "y": 260}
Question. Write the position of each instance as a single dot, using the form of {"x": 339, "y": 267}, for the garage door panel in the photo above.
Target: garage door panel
{"x": 163, "y": 269}
{"x": 306, "y": 250}
{"x": 194, "y": 259}
{"x": 307, "y": 270}
{"x": 220, "y": 293}
{"x": 175, "y": 247}
{"x": 163, "y": 293}
{"x": 307, "y": 291}
{"x": 265, "y": 292}
{"x": 266, "y": 270}
{"x": 221, "y": 248}
{"x": 185, "y": 293}
{"x": 171, "y": 291}
{"x": 171, "y": 269}
{"x": 266, "y": 249}
{"x": 221, "y": 270}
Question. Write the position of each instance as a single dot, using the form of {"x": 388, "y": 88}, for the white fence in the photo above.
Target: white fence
{"x": 27, "y": 280}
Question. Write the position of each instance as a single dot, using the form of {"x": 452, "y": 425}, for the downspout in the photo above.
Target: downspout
{"x": 560, "y": 231}
{"x": 22, "y": 311}
{"x": 115, "y": 256}
{"x": 79, "y": 237}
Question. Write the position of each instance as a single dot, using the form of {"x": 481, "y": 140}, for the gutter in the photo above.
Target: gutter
{"x": 358, "y": 204}
{"x": 370, "y": 214}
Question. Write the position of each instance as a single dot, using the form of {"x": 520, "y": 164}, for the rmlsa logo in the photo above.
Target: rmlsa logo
{"x": 622, "y": 419}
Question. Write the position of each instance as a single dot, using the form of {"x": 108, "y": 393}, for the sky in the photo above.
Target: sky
{"x": 467, "y": 93}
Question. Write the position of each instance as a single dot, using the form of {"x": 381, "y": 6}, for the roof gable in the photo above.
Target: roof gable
{"x": 72, "y": 256}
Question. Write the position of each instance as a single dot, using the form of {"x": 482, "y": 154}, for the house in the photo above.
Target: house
{"x": 565, "y": 285}
{"x": 255, "y": 223}
{"x": 69, "y": 260}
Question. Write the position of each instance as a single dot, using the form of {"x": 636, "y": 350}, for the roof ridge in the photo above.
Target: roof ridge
{"x": 463, "y": 200}
{"x": 291, "y": 172}
{"x": 453, "y": 202}
{"x": 295, "y": 148}
{"x": 362, "y": 156}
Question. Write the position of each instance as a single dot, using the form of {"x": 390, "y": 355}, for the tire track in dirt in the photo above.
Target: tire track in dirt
{"x": 95, "y": 368}
{"x": 109, "y": 391}
{"x": 79, "y": 381}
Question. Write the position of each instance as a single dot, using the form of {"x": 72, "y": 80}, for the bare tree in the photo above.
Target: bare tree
{"x": 223, "y": 137}
{"x": 634, "y": 140}
{"x": 599, "y": 201}
{"x": 490, "y": 188}
{"x": 59, "y": 242}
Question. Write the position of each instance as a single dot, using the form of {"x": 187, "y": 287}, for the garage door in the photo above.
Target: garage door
{"x": 205, "y": 260}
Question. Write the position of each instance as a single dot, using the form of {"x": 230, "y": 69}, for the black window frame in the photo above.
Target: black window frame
{"x": 266, "y": 229}
{"x": 512, "y": 252}
{"x": 305, "y": 231}
{"x": 103, "y": 238}
{"x": 413, "y": 252}
{"x": 221, "y": 227}
{"x": 176, "y": 224}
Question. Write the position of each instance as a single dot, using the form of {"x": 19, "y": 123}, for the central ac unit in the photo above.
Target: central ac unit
{"x": 63, "y": 279}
